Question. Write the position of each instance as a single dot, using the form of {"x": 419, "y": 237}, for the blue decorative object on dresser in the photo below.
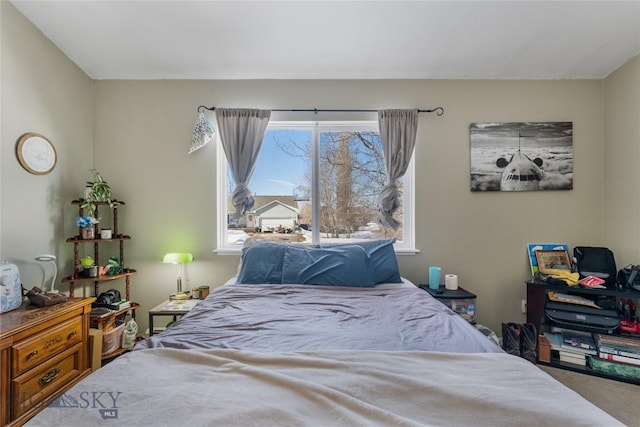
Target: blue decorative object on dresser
{"x": 10, "y": 288}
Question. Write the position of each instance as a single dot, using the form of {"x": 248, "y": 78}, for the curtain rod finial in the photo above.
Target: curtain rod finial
{"x": 438, "y": 110}
{"x": 202, "y": 108}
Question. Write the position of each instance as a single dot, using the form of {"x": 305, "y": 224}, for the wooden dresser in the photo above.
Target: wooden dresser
{"x": 43, "y": 352}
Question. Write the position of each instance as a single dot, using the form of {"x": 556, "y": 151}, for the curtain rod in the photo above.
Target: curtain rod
{"x": 438, "y": 110}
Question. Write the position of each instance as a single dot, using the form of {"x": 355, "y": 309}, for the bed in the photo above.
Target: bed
{"x": 301, "y": 348}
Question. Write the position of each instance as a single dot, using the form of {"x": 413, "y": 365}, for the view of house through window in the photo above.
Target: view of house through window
{"x": 291, "y": 201}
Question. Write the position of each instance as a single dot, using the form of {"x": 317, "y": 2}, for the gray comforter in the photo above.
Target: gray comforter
{"x": 307, "y": 318}
{"x": 225, "y": 387}
{"x": 288, "y": 359}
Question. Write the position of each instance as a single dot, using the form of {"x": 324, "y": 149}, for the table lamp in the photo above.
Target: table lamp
{"x": 52, "y": 260}
{"x": 180, "y": 258}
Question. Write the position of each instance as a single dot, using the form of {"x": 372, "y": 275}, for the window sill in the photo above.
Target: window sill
{"x": 227, "y": 251}
{"x": 407, "y": 251}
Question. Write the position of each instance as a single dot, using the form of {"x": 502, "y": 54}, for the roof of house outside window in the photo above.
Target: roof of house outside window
{"x": 262, "y": 201}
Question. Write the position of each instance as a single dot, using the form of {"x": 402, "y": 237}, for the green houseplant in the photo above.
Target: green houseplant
{"x": 100, "y": 192}
{"x": 88, "y": 263}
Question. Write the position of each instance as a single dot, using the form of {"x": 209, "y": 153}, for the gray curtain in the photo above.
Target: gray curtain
{"x": 241, "y": 132}
{"x": 398, "y": 130}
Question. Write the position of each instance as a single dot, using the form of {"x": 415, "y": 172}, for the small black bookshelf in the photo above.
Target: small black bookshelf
{"x": 536, "y": 301}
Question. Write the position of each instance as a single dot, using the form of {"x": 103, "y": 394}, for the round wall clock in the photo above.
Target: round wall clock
{"x": 36, "y": 154}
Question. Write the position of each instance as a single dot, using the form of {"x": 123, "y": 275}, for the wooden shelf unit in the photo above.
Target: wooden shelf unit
{"x": 77, "y": 277}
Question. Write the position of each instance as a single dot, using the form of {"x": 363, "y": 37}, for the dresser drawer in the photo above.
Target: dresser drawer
{"x": 34, "y": 350}
{"x": 42, "y": 382}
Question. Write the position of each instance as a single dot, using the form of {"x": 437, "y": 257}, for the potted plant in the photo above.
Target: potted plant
{"x": 88, "y": 267}
{"x": 100, "y": 192}
{"x": 86, "y": 224}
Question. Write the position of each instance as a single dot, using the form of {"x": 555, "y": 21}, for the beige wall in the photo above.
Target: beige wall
{"x": 137, "y": 134}
{"x": 42, "y": 92}
{"x": 146, "y": 126}
{"x": 622, "y": 163}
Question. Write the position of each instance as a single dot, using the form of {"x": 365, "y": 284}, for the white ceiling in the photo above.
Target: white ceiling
{"x": 341, "y": 39}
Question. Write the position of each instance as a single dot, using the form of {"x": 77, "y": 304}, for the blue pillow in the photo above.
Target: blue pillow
{"x": 338, "y": 266}
{"x": 261, "y": 263}
{"x": 382, "y": 259}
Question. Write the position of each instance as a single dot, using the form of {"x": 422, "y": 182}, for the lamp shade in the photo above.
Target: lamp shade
{"x": 178, "y": 258}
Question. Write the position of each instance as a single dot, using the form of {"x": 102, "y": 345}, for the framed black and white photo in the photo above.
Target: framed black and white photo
{"x": 521, "y": 156}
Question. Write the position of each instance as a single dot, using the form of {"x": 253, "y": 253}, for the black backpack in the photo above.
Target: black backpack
{"x": 596, "y": 261}
{"x": 112, "y": 296}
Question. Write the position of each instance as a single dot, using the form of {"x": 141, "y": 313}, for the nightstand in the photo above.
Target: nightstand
{"x": 172, "y": 308}
{"x": 459, "y": 300}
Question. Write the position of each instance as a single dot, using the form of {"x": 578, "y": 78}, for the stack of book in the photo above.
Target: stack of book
{"x": 98, "y": 317}
{"x": 572, "y": 346}
{"x": 618, "y": 349}
{"x": 122, "y": 304}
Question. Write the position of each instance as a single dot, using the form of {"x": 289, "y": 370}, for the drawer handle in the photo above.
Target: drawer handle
{"x": 49, "y": 376}
{"x": 52, "y": 342}
{"x": 34, "y": 353}
{"x": 72, "y": 334}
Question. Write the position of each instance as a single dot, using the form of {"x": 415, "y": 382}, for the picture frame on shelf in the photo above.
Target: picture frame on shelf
{"x": 557, "y": 259}
{"x": 533, "y": 247}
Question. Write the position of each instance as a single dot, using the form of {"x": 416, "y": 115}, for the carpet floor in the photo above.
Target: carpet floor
{"x": 618, "y": 399}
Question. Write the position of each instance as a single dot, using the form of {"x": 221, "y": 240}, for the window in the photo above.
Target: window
{"x": 315, "y": 183}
